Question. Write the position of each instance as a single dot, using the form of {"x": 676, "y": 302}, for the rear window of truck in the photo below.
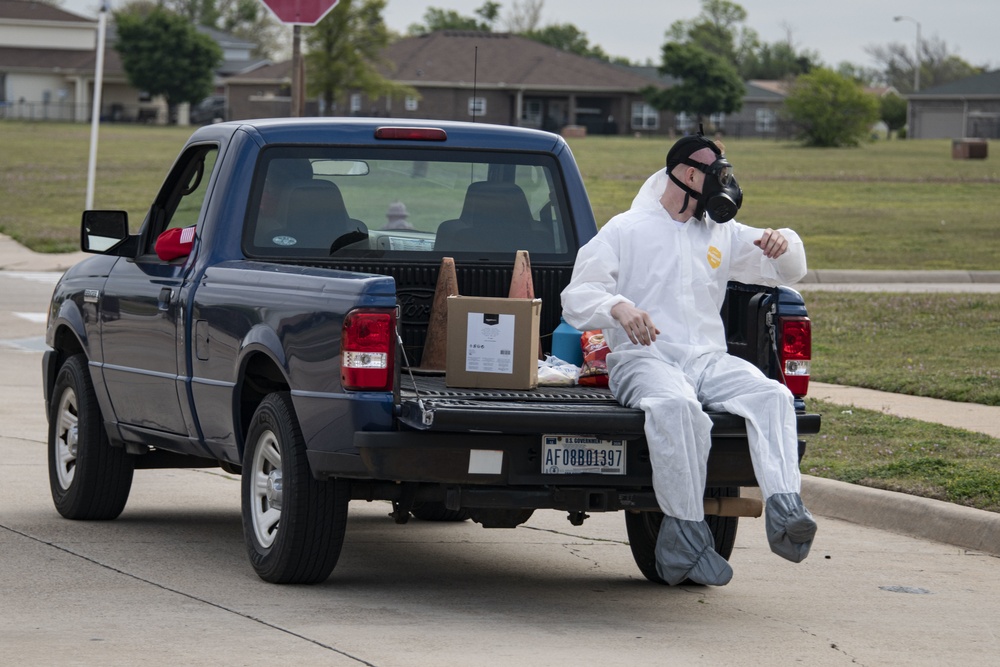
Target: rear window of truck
{"x": 321, "y": 202}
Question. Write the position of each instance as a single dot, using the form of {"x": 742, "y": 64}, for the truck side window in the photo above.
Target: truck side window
{"x": 182, "y": 198}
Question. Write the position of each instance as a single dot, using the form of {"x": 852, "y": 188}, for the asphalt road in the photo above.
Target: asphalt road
{"x": 168, "y": 582}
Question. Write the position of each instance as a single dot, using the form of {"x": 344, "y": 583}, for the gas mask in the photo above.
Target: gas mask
{"x": 720, "y": 196}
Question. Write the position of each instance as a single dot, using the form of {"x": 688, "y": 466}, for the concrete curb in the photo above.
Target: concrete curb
{"x": 900, "y": 513}
{"x": 838, "y": 276}
{"x": 904, "y": 514}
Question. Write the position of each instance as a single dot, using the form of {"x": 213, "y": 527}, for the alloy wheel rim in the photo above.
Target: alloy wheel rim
{"x": 67, "y": 439}
{"x": 267, "y": 489}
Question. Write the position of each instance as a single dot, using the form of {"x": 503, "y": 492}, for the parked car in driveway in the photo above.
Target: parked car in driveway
{"x": 212, "y": 109}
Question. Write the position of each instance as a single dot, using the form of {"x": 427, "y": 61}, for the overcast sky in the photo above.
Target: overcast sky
{"x": 839, "y": 30}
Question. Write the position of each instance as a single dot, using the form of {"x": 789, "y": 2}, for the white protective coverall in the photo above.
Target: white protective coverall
{"x": 677, "y": 272}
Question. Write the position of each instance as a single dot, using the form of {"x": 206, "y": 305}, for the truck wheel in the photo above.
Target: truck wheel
{"x": 644, "y": 527}
{"x": 293, "y": 524}
{"x": 436, "y": 511}
{"x": 89, "y": 479}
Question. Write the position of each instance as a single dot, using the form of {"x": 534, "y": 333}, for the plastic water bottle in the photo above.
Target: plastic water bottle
{"x": 566, "y": 343}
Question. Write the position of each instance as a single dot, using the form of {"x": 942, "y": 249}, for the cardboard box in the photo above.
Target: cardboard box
{"x": 492, "y": 343}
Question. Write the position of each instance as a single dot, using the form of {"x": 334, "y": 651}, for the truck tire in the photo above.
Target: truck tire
{"x": 436, "y": 511}
{"x": 89, "y": 479}
{"x": 643, "y": 528}
{"x": 293, "y": 524}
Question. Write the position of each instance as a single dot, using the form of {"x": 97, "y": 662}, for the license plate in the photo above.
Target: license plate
{"x": 572, "y": 454}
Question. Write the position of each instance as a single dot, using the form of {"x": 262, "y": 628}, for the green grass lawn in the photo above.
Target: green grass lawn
{"x": 906, "y": 455}
{"x": 943, "y": 346}
{"x": 887, "y": 205}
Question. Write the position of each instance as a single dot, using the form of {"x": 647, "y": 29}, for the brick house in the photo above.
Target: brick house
{"x": 47, "y": 61}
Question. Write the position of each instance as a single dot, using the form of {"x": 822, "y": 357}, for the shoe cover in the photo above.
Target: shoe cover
{"x": 789, "y": 525}
{"x": 686, "y": 550}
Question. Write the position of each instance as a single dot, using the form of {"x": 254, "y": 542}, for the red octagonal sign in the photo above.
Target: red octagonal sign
{"x": 300, "y": 12}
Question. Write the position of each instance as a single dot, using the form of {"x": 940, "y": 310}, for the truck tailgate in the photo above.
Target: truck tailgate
{"x": 427, "y": 404}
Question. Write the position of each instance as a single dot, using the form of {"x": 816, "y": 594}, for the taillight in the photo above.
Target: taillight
{"x": 796, "y": 353}
{"x": 367, "y": 350}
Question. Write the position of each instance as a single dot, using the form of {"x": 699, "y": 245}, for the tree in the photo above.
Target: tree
{"x": 163, "y": 54}
{"x": 199, "y": 12}
{"x": 866, "y": 76}
{"x": 892, "y": 110}
{"x": 524, "y": 17}
{"x": 708, "y": 84}
{"x": 343, "y": 53}
{"x": 567, "y": 37}
{"x": 720, "y": 30}
{"x": 937, "y": 65}
{"x": 448, "y": 19}
{"x": 831, "y": 110}
{"x": 245, "y": 19}
{"x": 779, "y": 60}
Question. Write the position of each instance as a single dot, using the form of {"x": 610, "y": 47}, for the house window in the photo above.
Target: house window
{"x": 410, "y": 103}
{"x": 532, "y": 114}
{"x": 355, "y": 103}
{"x": 477, "y": 106}
{"x": 685, "y": 122}
{"x": 765, "y": 120}
{"x": 644, "y": 117}
{"x": 717, "y": 120}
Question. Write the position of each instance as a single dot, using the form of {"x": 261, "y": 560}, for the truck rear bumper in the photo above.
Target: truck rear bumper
{"x": 506, "y": 459}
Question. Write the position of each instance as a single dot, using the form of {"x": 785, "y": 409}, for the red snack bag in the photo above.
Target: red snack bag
{"x": 594, "y": 372}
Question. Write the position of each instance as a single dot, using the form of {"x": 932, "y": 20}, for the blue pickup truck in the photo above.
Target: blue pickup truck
{"x": 269, "y": 320}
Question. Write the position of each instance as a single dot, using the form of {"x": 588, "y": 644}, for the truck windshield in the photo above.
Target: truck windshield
{"x": 320, "y": 202}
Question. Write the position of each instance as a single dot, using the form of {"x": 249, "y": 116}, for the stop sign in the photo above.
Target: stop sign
{"x": 300, "y": 12}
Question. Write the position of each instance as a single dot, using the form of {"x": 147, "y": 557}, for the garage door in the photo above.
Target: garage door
{"x": 939, "y": 125}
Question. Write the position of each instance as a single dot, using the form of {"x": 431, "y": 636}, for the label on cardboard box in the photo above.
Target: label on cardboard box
{"x": 489, "y": 343}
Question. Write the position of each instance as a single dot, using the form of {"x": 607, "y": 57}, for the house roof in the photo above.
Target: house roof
{"x": 67, "y": 61}
{"x": 267, "y": 74}
{"x": 761, "y": 90}
{"x": 501, "y": 60}
{"x": 981, "y": 85}
{"x": 30, "y": 10}
{"x": 224, "y": 39}
{"x": 652, "y": 75}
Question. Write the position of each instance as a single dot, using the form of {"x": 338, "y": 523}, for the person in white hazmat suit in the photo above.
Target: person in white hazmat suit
{"x": 654, "y": 279}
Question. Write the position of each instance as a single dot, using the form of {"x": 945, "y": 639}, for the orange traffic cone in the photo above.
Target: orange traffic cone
{"x": 436, "y": 342}
{"x": 521, "y": 284}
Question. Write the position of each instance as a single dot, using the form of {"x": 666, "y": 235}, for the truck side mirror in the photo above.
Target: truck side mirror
{"x": 102, "y": 232}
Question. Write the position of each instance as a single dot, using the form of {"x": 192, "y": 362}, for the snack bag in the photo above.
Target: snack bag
{"x": 594, "y": 372}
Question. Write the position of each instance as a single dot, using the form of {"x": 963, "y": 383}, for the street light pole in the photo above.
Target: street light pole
{"x": 95, "y": 114}
{"x": 916, "y": 65}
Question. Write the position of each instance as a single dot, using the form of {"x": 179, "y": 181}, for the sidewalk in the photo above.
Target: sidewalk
{"x": 896, "y": 512}
{"x": 15, "y": 257}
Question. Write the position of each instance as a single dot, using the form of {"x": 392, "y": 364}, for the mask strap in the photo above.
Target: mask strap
{"x": 688, "y": 193}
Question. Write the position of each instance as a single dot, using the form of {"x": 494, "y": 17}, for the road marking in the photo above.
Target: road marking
{"x": 46, "y": 277}
{"x": 34, "y": 344}
{"x": 36, "y": 318}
